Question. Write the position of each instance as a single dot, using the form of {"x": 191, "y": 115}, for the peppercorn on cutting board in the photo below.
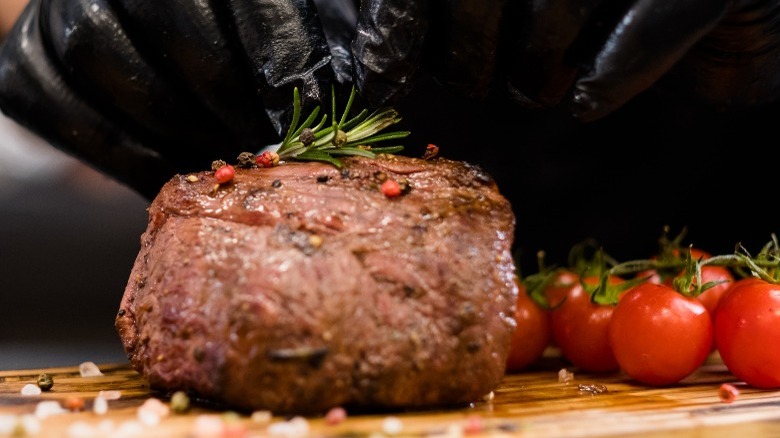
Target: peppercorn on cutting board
{"x": 534, "y": 403}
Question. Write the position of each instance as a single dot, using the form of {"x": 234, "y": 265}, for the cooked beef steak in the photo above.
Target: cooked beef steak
{"x": 302, "y": 287}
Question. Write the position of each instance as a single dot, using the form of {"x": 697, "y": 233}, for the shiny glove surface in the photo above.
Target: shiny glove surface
{"x": 586, "y": 57}
{"x": 142, "y": 90}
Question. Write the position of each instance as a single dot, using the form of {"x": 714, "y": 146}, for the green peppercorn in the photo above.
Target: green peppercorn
{"x": 340, "y": 138}
{"x": 45, "y": 382}
{"x": 180, "y": 402}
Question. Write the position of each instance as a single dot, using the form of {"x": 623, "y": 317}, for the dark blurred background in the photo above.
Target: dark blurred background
{"x": 68, "y": 238}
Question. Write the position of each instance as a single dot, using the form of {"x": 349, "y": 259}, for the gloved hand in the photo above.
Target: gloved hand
{"x": 142, "y": 90}
{"x": 145, "y": 89}
{"x": 586, "y": 58}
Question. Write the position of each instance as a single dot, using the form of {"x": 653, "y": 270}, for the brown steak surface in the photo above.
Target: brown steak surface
{"x": 302, "y": 287}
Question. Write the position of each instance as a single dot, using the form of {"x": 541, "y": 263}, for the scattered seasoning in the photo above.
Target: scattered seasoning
{"x": 74, "y": 404}
{"x": 216, "y": 164}
{"x": 267, "y": 159}
{"x": 564, "y": 376}
{"x": 592, "y": 388}
{"x": 198, "y": 354}
{"x": 207, "y": 426}
{"x": 276, "y": 184}
{"x": 392, "y": 425}
{"x": 335, "y": 416}
{"x": 474, "y": 424}
{"x": 89, "y": 369}
{"x": 246, "y": 160}
{"x": 430, "y": 151}
{"x": 261, "y": 417}
{"x": 30, "y": 389}
{"x": 225, "y": 174}
{"x": 113, "y": 394}
{"x": 315, "y": 241}
{"x": 100, "y": 406}
{"x": 307, "y": 136}
{"x": 296, "y": 427}
{"x": 180, "y": 402}
{"x": 728, "y": 393}
{"x": 322, "y": 179}
{"x": 152, "y": 411}
{"x": 340, "y": 138}
{"x": 48, "y": 408}
{"x": 192, "y": 178}
{"x": 45, "y": 381}
{"x": 390, "y": 188}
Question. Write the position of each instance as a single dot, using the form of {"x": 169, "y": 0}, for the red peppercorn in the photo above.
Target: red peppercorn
{"x": 728, "y": 393}
{"x": 74, "y": 404}
{"x": 267, "y": 159}
{"x": 225, "y": 174}
{"x": 391, "y": 188}
{"x": 431, "y": 151}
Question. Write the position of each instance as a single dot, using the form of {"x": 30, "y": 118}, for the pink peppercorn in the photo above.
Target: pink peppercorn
{"x": 728, "y": 393}
{"x": 267, "y": 159}
{"x": 391, "y": 188}
{"x": 335, "y": 416}
{"x": 225, "y": 174}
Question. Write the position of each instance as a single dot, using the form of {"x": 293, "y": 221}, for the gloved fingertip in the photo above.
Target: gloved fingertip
{"x": 585, "y": 106}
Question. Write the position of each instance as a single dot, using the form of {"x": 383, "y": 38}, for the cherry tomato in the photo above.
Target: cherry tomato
{"x": 747, "y": 332}
{"x": 557, "y": 291}
{"x": 711, "y": 297}
{"x": 658, "y": 335}
{"x": 579, "y": 329}
{"x": 532, "y": 334}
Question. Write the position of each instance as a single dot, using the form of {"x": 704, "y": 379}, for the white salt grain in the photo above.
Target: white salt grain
{"x": 30, "y": 389}
{"x": 48, "y": 408}
{"x": 392, "y": 425}
{"x": 110, "y": 395}
{"x": 564, "y": 376}
{"x": 89, "y": 369}
{"x": 297, "y": 427}
{"x": 7, "y": 424}
{"x": 100, "y": 406}
{"x": 207, "y": 426}
{"x": 262, "y": 417}
{"x": 152, "y": 411}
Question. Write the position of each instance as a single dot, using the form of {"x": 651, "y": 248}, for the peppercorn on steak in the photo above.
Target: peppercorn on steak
{"x": 304, "y": 286}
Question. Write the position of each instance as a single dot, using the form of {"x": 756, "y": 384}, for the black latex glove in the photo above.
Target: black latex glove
{"x": 144, "y": 89}
{"x": 585, "y": 57}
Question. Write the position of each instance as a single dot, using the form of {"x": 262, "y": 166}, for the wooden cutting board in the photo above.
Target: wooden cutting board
{"x": 533, "y": 403}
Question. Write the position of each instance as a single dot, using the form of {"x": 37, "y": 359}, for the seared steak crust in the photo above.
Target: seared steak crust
{"x": 303, "y": 287}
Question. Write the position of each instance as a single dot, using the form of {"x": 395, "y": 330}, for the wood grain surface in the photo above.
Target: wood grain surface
{"x": 533, "y": 403}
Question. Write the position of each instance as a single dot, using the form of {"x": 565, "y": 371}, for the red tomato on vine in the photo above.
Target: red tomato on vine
{"x": 658, "y": 335}
{"x": 532, "y": 333}
{"x": 579, "y": 328}
{"x": 747, "y": 332}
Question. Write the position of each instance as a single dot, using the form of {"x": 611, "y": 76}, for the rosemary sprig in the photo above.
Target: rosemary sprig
{"x": 343, "y": 137}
